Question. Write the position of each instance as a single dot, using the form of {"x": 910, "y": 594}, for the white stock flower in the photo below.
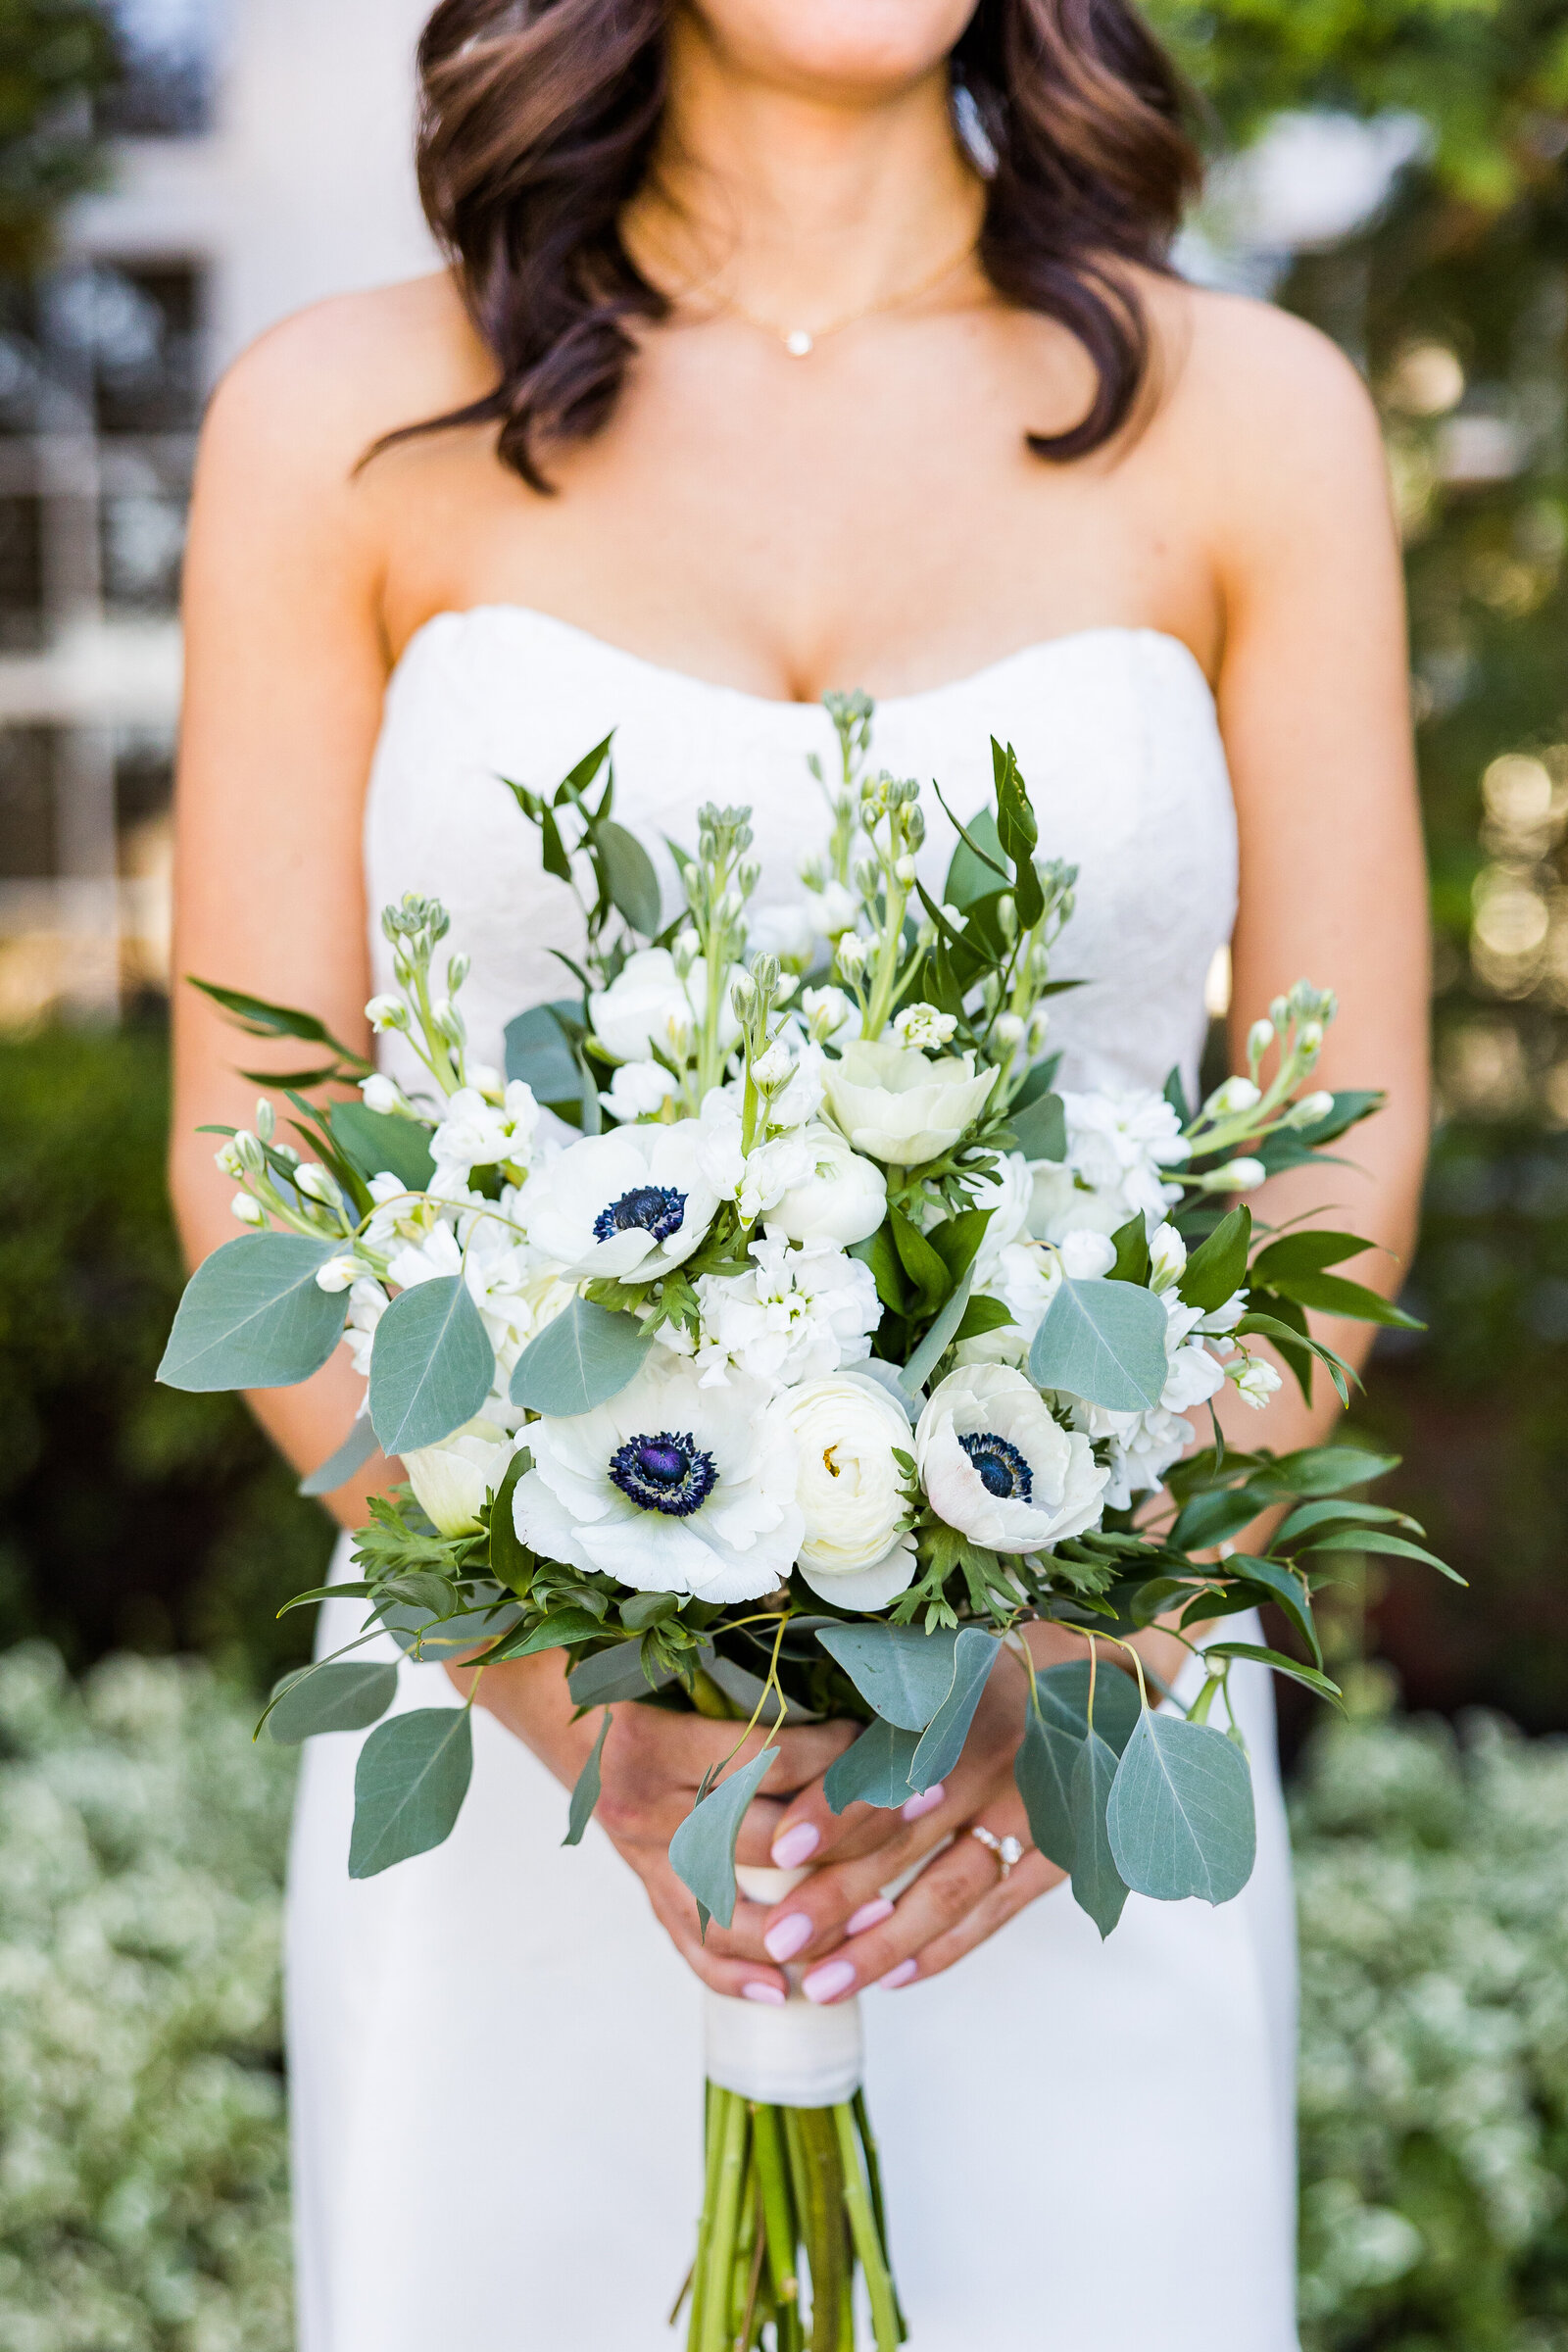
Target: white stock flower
{"x": 452, "y": 1479}
{"x": 367, "y": 1303}
{"x": 996, "y": 1465}
{"x": 827, "y": 1010}
{"x": 638, "y": 1090}
{"x": 799, "y": 1101}
{"x": 1139, "y": 1448}
{"x": 386, "y": 1012}
{"x": 1167, "y": 1254}
{"x": 340, "y": 1273}
{"x": 842, "y": 1198}
{"x": 669, "y": 1488}
{"x": 248, "y": 1209}
{"x": 1254, "y": 1380}
{"x": 858, "y": 1550}
{"x": 1118, "y": 1142}
{"x": 626, "y": 1206}
{"x": 923, "y": 1025}
{"x": 1007, "y": 1191}
{"x": 797, "y": 1316}
{"x": 516, "y": 1287}
{"x": 476, "y": 1134}
{"x": 898, "y": 1107}
{"x": 1027, "y": 1272}
{"x": 1235, "y": 1097}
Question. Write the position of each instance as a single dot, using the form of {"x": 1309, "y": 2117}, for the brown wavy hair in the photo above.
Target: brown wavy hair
{"x": 539, "y": 120}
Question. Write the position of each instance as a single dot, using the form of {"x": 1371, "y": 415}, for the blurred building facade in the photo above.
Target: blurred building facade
{"x": 259, "y": 158}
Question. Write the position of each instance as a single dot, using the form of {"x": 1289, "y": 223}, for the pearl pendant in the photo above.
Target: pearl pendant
{"x": 799, "y": 343}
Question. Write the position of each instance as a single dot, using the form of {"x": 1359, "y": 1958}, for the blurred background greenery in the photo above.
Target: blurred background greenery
{"x": 1434, "y": 1865}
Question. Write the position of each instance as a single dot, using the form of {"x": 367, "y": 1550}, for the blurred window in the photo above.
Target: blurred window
{"x": 166, "y": 70}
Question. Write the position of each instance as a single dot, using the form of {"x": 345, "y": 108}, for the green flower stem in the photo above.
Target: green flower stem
{"x": 826, "y": 2246}
{"x": 778, "y": 2211}
{"x": 868, "y": 2238}
{"x": 731, "y": 2133}
{"x": 713, "y": 2151}
{"x": 742, "y": 2292}
{"x": 873, "y": 2162}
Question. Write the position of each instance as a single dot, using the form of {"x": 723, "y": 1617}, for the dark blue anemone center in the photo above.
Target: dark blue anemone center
{"x": 999, "y": 1467}
{"x": 657, "y": 1208}
{"x": 665, "y": 1473}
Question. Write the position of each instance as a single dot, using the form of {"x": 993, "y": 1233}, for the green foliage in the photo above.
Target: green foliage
{"x": 55, "y": 57}
{"x": 131, "y": 1515}
{"x": 143, "y": 2173}
{"x": 1433, "y": 1886}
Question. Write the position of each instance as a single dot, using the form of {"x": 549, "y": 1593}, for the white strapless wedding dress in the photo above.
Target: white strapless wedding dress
{"x": 495, "y": 2052}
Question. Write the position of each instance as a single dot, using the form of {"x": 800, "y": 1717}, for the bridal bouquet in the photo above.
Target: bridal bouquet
{"x": 813, "y": 1345}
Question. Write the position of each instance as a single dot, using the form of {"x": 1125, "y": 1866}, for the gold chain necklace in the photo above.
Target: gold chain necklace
{"x": 800, "y": 341}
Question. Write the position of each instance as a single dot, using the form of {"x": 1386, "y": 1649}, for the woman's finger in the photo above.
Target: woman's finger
{"x": 717, "y": 1960}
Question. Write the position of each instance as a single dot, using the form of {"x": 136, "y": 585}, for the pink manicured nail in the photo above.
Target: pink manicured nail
{"x": 899, "y": 1976}
{"x": 826, "y": 1984}
{"x": 870, "y": 1915}
{"x": 786, "y": 1937}
{"x": 797, "y": 1845}
{"x": 756, "y": 1990}
{"x": 918, "y": 1806}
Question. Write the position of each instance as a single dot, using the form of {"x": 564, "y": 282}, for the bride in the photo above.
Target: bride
{"x": 792, "y": 345}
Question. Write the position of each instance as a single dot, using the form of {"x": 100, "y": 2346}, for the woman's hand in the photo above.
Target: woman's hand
{"x": 650, "y": 1769}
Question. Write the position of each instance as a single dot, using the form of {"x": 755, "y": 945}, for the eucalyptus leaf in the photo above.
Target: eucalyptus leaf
{"x": 409, "y": 1788}
{"x": 888, "y": 1376}
{"x": 1180, "y": 1819}
{"x": 1063, "y": 1695}
{"x": 378, "y": 1143}
{"x": 254, "y": 1317}
{"x": 353, "y": 1454}
{"x": 942, "y": 1744}
{"x": 343, "y": 1695}
{"x": 540, "y": 1053}
{"x": 614, "y": 1674}
{"x": 588, "y": 1354}
{"x": 1097, "y": 1884}
{"x": 701, "y": 1852}
{"x": 745, "y": 1691}
{"x": 1104, "y": 1342}
{"x": 875, "y": 1770}
{"x": 905, "y": 1674}
{"x": 431, "y": 1366}
{"x": 1043, "y": 1772}
{"x": 585, "y": 1795}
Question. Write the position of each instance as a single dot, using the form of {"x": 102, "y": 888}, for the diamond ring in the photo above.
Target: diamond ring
{"x": 1008, "y": 1850}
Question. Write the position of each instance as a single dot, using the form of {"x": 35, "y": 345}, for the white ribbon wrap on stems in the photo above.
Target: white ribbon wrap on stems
{"x": 797, "y": 2056}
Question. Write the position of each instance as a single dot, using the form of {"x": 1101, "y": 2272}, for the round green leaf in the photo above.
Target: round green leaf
{"x": 431, "y": 1366}
{"x": 411, "y": 1778}
{"x": 253, "y": 1316}
{"x": 1180, "y": 1818}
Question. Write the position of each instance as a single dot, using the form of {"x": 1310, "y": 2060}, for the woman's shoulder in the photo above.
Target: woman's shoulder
{"x": 1251, "y": 380}
{"x": 314, "y": 392}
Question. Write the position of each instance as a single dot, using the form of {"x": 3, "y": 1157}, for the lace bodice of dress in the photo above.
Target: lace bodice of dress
{"x": 1115, "y": 734}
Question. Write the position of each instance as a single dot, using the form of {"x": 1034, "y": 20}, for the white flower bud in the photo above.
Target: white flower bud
{"x": 316, "y": 1185}
{"x": 248, "y": 1209}
{"x": 827, "y": 1010}
{"x": 1254, "y": 1380}
{"x": 688, "y": 947}
{"x": 1038, "y": 1028}
{"x": 384, "y": 1095}
{"x": 266, "y": 1120}
{"x": 1008, "y": 1029}
{"x": 1236, "y": 1094}
{"x": 251, "y": 1159}
{"x": 386, "y": 1012}
{"x": 850, "y": 955}
{"x": 227, "y": 1161}
{"x": 1309, "y": 1039}
{"x": 340, "y": 1273}
{"x": 955, "y": 919}
{"x": 771, "y": 1070}
{"x": 922, "y": 1025}
{"x": 1259, "y": 1038}
{"x": 904, "y": 871}
{"x": 1167, "y": 1256}
{"x": 458, "y": 968}
{"x": 1312, "y": 1107}
{"x": 1239, "y": 1176}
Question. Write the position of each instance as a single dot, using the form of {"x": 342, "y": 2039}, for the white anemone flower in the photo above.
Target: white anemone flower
{"x": 627, "y": 1207}
{"x": 669, "y": 1488}
{"x": 996, "y": 1465}
{"x": 857, "y": 1549}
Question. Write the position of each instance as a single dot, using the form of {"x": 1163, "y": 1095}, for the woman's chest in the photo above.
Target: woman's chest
{"x": 789, "y": 526}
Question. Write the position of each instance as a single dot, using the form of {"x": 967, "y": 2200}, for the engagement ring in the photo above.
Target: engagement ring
{"x": 1008, "y": 1850}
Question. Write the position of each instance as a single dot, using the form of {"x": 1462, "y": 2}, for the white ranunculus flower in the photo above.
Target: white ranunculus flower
{"x": 789, "y": 932}
{"x": 797, "y": 1316}
{"x": 996, "y": 1465}
{"x": 452, "y": 1479}
{"x": 628, "y": 1206}
{"x": 843, "y": 1198}
{"x": 645, "y": 1005}
{"x": 857, "y": 1549}
{"x": 669, "y": 1488}
{"x": 649, "y": 1005}
{"x": 638, "y": 1090}
{"x": 893, "y": 1104}
{"x": 1006, "y": 1344}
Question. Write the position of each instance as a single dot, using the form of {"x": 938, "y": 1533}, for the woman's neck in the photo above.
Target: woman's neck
{"x": 798, "y": 206}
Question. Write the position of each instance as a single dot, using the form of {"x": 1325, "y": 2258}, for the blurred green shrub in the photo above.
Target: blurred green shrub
{"x": 1432, "y": 1883}
{"x": 143, "y": 2184}
{"x": 131, "y": 1516}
